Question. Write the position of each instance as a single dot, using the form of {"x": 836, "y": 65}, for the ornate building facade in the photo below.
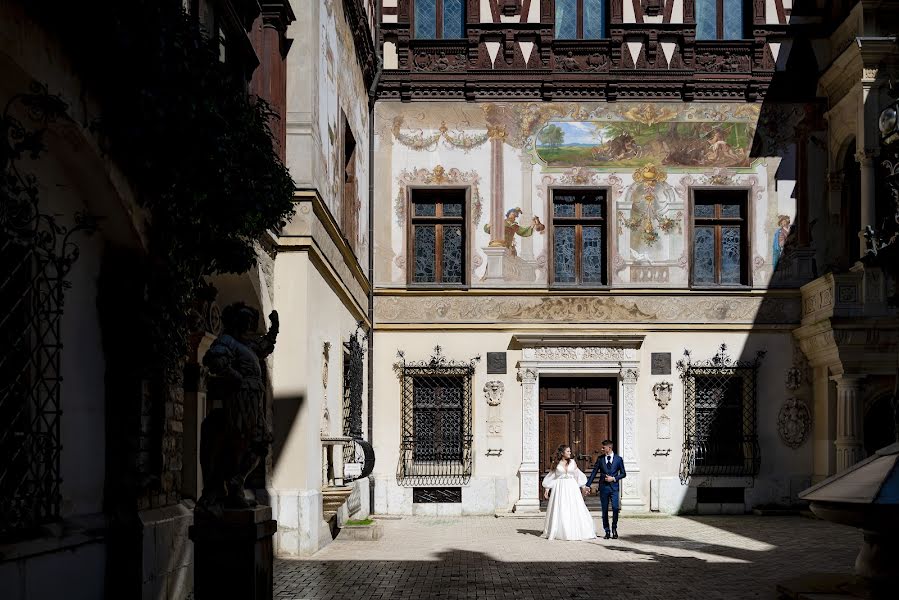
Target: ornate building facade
{"x": 615, "y": 205}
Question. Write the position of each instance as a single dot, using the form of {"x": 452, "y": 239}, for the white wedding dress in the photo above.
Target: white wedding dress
{"x": 567, "y": 517}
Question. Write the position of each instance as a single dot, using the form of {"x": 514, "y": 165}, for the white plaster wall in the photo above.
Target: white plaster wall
{"x": 494, "y": 484}
{"x": 311, "y": 314}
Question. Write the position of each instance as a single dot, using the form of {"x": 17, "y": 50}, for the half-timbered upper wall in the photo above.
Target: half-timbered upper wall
{"x": 637, "y": 49}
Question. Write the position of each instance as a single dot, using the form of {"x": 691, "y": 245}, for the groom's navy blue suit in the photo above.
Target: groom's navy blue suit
{"x": 608, "y": 490}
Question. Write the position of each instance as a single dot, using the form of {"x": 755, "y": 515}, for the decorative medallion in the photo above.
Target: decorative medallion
{"x": 662, "y": 393}
{"x": 794, "y": 422}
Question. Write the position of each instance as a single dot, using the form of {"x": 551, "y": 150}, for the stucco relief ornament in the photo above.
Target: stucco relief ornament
{"x": 437, "y": 176}
{"x": 325, "y": 424}
{"x": 662, "y": 393}
{"x": 493, "y": 391}
{"x": 794, "y": 422}
{"x": 794, "y": 378}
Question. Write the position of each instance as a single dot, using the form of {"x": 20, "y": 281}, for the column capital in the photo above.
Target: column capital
{"x": 848, "y": 379}
{"x": 527, "y": 375}
{"x": 866, "y": 157}
{"x": 629, "y": 374}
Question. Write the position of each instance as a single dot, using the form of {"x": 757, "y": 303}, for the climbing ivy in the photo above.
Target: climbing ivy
{"x": 198, "y": 149}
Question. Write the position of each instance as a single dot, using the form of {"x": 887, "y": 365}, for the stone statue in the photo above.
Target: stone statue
{"x": 235, "y": 437}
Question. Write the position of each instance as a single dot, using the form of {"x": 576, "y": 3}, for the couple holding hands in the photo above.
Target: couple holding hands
{"x": 567, "y": 517}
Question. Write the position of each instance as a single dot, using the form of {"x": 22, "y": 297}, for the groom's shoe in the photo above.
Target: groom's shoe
{"x": 607, "y": 536}
{"x": 614, "y": 534}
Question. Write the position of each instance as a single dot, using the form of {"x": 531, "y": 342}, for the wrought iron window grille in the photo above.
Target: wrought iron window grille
{"x": 36, "y": 254}
{"x": 720, "y": 422}
{"x": 360, "y": 452}
{"x": 436, "y": 439}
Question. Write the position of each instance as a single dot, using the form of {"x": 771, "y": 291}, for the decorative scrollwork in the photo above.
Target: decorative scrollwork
{"x": 436, "y": 443}
{"x": 720, "y": 432}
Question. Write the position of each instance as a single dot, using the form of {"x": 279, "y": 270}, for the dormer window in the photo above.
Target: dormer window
{"x": 719, "y": 19}
{"x": 581, "y": 19}
{"x": 438, "y": 19}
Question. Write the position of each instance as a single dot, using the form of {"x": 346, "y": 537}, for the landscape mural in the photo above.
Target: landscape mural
{"x": 636, "y": 144}
{"x": 512, "y": 155}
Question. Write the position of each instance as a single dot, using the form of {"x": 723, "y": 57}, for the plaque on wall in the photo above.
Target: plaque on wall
{"x": 661, "y": 363}
{"x": 496, "y": 363}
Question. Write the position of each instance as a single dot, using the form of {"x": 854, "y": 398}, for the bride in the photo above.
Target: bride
{"x": 567, "y": 517}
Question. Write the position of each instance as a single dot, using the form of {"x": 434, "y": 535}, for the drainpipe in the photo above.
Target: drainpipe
{"x": 372, "y": 97}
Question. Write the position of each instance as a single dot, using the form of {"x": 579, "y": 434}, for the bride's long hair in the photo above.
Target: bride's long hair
{"x": 560, "y": 454}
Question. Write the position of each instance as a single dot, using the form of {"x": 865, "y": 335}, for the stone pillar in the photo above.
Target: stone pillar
{"x": 835, "y": 203}
{"x": 529, "y": 472}
{"x": 848, "y": 442}
{"x": 823, "y": 425}
{"x": 868, "y": 198}
{"x": 496, "y": 249}
{"x": 630, "y": 485}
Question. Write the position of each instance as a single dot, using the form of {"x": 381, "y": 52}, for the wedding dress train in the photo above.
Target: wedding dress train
{"x": 567, "y": 517}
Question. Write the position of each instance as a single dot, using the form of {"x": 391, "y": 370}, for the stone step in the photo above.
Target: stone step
{"x": 332, "y": 499}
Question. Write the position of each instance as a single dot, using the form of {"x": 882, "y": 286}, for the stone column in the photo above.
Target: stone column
{"x": 630, "y": 486}
{"x": 496, "y": 249}
{"x": 868, "y": 198}
{"x": 529, "y": 472}
{"x": 849, "y": 421}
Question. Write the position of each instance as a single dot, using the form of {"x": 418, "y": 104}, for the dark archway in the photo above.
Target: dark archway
{"x": 880, "y": 426}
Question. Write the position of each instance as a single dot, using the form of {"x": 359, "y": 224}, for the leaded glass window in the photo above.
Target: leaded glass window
{"x": 719, "y": 19}
{"x": 437, "y": 240}
{"x": 580, "y": 19}
{"x": 720, "y": 244}
{"x": 578, "y": 237}
{"x": 439, "y": 19}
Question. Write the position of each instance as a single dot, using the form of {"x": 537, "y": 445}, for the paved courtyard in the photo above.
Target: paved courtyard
{"x": 487, "y": 557}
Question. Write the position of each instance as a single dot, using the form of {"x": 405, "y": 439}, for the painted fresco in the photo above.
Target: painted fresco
{"x": 339, "y": 92}
{"x": 648, "y": 158}
{"x": 630, "y": 144}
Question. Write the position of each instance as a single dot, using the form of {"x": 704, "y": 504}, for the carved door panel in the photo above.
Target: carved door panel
{"x": 579, "y": 413}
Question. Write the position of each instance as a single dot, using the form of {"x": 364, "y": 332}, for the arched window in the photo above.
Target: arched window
{"x": 580, "y": 19}
{"x": 438, "y": 19}
{"x": 719, "y": 19}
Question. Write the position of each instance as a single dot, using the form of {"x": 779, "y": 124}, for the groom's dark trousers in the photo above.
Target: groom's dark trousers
{"x": 609, "y": 491}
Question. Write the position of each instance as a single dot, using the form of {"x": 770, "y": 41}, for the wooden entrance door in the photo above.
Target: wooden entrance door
{"x": 580, "y": 413}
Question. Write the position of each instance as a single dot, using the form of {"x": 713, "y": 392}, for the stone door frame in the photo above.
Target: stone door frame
{"x": 601, "y": 357}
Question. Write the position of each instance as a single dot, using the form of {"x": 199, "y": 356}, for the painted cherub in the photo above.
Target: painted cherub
{"x": 512, "y": 228}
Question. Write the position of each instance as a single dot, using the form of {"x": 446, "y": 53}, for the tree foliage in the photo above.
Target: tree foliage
{"x": 197, "y": 147}
{"x": 552, "y": 136}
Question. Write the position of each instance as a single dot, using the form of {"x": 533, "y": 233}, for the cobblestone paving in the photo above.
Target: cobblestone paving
{"x": 504, "y": 558}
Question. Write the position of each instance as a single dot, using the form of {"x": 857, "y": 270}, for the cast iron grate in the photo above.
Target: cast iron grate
{"x": 720, "y": 429}
{"x": 436, "y": 442}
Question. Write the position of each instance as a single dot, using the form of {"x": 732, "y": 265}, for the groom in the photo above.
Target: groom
{"x": 612, "y": 471}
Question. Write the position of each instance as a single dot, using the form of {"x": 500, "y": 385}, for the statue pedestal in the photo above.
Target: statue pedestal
{"x": 495, "y": 256}
{"x": 233, "y": 556}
